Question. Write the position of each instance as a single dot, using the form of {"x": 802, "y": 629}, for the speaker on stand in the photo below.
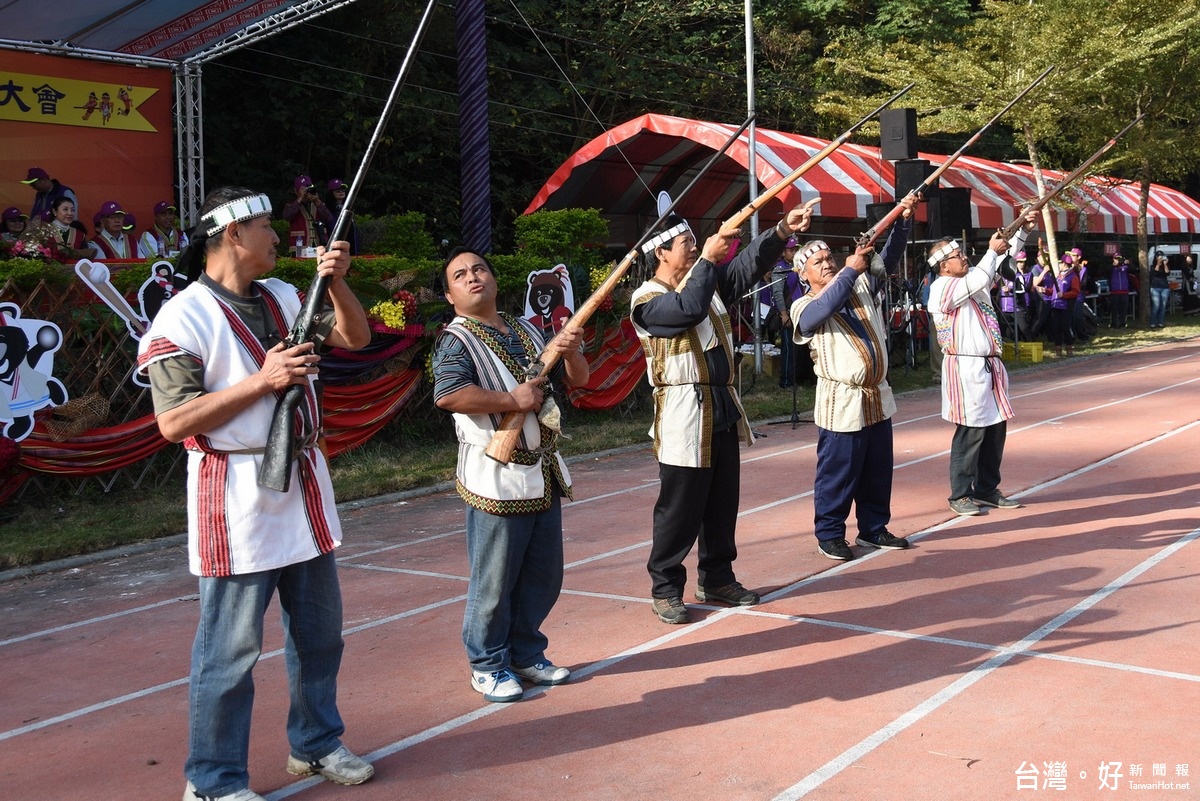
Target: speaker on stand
{"x": 950, "y": 215}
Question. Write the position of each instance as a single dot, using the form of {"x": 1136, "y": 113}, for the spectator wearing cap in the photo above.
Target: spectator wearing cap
{"x": 1059, "y": 292}
{"x": 12, "y": 224}
{"x": 1028, "y": 300}
{"x": 839, "y": 319}
{"x": 164, "y": 238}
{"x": 113, "y": 241}
{"x": 337, "y": 198}
{"x": 48, "y": 190}
{"x": 310, "y": 219}
{"x": 1118, "y": 291}
{"x": 1078, "y": 325}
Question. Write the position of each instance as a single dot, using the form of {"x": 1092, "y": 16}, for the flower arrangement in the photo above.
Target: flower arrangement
{"x": 596, "y": 277}
{"x": 396, "y": 316}
{"x": 33, "y": 245}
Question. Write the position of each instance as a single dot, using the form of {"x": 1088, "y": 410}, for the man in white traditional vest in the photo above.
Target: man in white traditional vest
{"x": 840, "y": 320}
{"x": 682, "y": 319}
{"x": 216, "y": 361}
{"x": 514, "y": 513}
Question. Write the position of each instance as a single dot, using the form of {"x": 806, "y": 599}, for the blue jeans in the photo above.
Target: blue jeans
{"x": 1159, "y": 298}
{"x": 228, "y": 643}
{"x": 516, "y": 575}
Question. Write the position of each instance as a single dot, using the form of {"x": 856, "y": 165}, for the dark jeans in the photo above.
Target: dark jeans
{"x": 1118, "y": 307}
{"x": 696, "y": 503}
{"x": 975, "y": 456}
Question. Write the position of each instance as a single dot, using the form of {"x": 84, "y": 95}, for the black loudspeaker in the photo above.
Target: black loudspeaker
{"x": 950, "y": 215}
{"x": 911, "y": 174}
{"x": 875, "y": 212}
{"x": 898, "y": 133}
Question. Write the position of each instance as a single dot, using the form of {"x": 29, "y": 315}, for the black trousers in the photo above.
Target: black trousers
{"x": 975, "y": 456}
{"x": 697, "y": 503}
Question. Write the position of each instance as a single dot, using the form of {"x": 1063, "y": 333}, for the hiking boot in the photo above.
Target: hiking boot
{"x": 544, "y": 673}
{"x": 835, "y": 549}
{"x": 882, "y": 539}
{"x": 998, "y": 501}
{"x": 340, "y": 767}
{"x": 964, "y": 506}
{"x": 190, "y": 793}
{"x": 671, "y": 610}
{"x": 498, "y": 686}
{"x": 733, "y": 594}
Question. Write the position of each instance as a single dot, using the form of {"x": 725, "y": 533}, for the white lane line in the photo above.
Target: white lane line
{"x": 33, "y": 635}
{"x": 956, "y": 688}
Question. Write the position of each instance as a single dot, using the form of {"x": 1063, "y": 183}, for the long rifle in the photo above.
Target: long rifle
{"x": 276, "y": 470}
{"x": 1041, "y": 202}
{"x": 504, "y": 441}
{"x": 871, "y": 234}
{"x": 734, "y": 223}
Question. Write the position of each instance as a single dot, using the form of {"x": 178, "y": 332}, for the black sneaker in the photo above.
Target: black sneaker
{"x": 835, "y": 549}
{"x": 998, "y": 501}
{"x": 733, "y": 594}
{"x": 671, "y": 610}
{"x": 882, "y": 539}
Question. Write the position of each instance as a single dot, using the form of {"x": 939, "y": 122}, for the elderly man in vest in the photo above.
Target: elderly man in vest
{"x": 682, "y": 319}
{"x": 840, "y": 320}
{"x": 514, "y": 516}
{"x": 974, "y": 381}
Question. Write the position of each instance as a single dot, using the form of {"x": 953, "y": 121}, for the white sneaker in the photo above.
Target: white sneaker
{"x": 499, "y": 687}
{"x": 340, "y": 766}
{"x": 190, "y": 793}
{"x": 545, "y": 673}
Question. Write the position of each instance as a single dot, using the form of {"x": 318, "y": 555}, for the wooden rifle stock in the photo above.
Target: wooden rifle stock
{"x": 508, "y": 434}
{"x": 276, "y": 470}
{"x": 873, "y": 233}
{"x": 1041, "y": 202}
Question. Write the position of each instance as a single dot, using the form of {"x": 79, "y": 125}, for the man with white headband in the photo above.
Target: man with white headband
{"x": 217, "y": 361}
{"x": 682, "y": 319}
{"x": 974, "y": 381}
{"x": 840, "y": 320}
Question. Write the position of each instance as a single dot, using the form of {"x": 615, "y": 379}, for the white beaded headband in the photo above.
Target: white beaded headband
{"x": 665, "y": 237}
{"x": 811, "y": 249}
{"x": 945, "y": 250}
{"x": 244, "y": 208}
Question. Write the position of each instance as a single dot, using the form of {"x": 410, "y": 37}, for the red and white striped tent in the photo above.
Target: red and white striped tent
{"x": 621, "y": 171}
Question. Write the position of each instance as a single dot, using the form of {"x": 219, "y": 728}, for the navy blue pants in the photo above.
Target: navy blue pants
{"x": 853, "y": 467}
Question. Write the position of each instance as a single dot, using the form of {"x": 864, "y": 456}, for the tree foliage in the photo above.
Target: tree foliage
{"x": 561, "y": 74}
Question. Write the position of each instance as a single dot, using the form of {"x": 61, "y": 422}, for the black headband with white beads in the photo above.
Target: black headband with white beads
{"x": 239, "y": 210}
